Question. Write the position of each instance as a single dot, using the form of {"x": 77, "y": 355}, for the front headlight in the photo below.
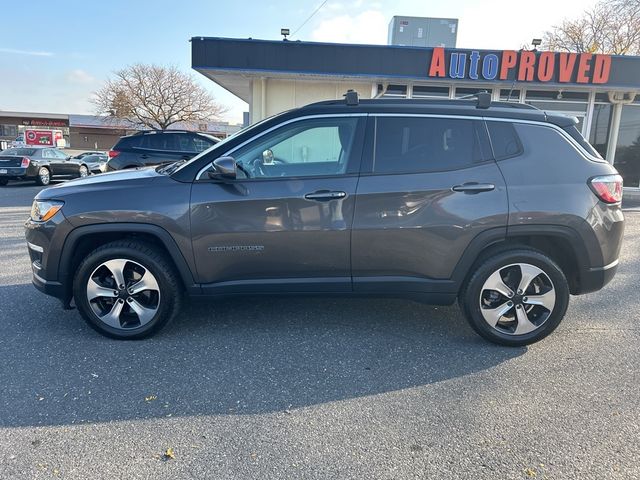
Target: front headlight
{"x": 43, "y": 210}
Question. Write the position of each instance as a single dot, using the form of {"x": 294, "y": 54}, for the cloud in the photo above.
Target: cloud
{"x": 368, "y": 27}
{"x": 79, "y": 76}
{"x": 33, "y": 53}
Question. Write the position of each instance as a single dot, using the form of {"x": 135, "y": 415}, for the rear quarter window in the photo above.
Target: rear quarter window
{"x": 545, "y": 142}
{"x": 504, "y": 140}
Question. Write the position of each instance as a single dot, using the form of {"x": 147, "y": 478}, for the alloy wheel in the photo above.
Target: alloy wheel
{"x": 123, "y": 294}
{"x": 43, "y": 173}
{"x": 83, "y": 172}
{"x": 517, "y": 299}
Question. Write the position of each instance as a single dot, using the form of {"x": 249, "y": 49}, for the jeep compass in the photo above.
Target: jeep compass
{"x": 501, "y": 206}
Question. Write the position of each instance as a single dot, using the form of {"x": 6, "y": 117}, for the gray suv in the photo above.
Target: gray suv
{"x": 503, "y": 207}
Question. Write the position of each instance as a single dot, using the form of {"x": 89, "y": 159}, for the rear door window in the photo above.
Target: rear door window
{"x": 428, "y": 144}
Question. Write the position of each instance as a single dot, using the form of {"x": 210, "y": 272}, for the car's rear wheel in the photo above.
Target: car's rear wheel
{"x": 83, "y": 171}
{"x": 44, "y": 176}
{"x": 3, "y": 181}
{"x": 516, "y": 297}
{"x": 127, "y": 290}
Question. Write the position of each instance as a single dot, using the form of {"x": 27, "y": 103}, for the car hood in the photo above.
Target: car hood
{"x": 130, "y": 177}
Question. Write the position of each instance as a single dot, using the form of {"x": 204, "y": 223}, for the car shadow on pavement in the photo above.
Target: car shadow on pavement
{"x": 236, "y": 356}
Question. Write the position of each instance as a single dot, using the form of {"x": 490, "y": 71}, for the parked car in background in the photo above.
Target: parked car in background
{"x": 96, "y": 163}
{"x": 91, "y": 152}
{"x": 502, "y": 206}
{"x": 157, "y": 147}
{"x": 39, "y": 164}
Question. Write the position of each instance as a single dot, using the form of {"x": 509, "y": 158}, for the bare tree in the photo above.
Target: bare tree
{"x": 155, "y": 97}
{"x": 611, "y": 26}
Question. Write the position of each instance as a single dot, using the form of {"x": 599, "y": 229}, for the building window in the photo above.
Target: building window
{"x": 509, "y": 95}
{"x": 396, "y": 91}
{"x": 600, "y": 124}
{"x": 560, "y": 101}
{"x": 627, "y": 157}
{"x": 424, "y": 91}
{"x": 468, "y": 92}
{"x": 9, "y": 131}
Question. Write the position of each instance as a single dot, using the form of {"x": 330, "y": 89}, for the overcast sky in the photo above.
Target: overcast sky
{"x": 53, "y": 55}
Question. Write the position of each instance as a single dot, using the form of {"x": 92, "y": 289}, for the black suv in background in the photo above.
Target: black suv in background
{"x": 157, "y": 147}
{"x": 505, "y": 208}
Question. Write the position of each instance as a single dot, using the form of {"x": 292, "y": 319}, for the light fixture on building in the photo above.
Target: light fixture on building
{"x": 536, "y": 42}
{"x": 284, "y": 32}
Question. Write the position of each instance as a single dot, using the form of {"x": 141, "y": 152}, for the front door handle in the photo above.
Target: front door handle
{"x": 325, "y": 195}
{"x": 144, "y": 156}
{"x": 474, "y": 187}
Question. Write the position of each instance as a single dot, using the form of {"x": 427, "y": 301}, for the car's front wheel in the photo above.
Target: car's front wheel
{"x": 83, "y": 171}
{"x": 516, "y": 297}
{"x": 127, "y": 290}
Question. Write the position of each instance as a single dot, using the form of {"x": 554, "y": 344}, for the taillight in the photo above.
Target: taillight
{"x": 113, "y": 153}
{"x": 25, "y": 162}
{"x": 607, "y": 188}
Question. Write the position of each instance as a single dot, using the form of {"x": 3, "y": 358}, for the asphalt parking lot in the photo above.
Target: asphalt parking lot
{"x": 315, "y": 388}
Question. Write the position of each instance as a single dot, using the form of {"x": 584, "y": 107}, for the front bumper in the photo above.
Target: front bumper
{"x": 44, "y": 243}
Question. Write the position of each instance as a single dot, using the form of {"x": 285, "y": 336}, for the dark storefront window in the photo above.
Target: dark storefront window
{"x": 8, "y": 131}
{"x": 464, "y": 92}
{"x": 574, "y": 104}
{"x": 508, "y": 95}
{"x": 396, "y": 91}
{"x": 627, "y": 159}
{"x": 422, "y": 91}
{"x": 599, "y": 134}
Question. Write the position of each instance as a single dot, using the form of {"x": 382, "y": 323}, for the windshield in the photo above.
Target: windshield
{"x": 174, "y": 167}
{"x": 19, "y": 151}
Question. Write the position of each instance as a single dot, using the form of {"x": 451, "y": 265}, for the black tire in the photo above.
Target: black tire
{"x": 43, "y": 178}
{"x": 546, "y": 321}
{"x": 3, "y": 182}
{"x": 138, "y": 254}
{"x": 83, "y": 171}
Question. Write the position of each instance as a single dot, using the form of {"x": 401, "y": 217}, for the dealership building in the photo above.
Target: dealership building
{"x": 273, "y": 76}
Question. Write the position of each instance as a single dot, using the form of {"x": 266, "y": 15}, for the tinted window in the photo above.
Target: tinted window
{"x": 129, "y": 142}
{"x": 304, "y": 148}
{"x": 504, "y": 140}
{"x": 200, "y": 144}
{"x": 545, "y": 141}
{"x": 422, "y": 144}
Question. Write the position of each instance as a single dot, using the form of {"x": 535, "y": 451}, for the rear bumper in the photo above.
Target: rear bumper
{"x": 15, "y": 172}
{"x": 593, "y": 279}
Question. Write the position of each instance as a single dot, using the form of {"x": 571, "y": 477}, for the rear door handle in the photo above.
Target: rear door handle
{"x": 325, "y": 195}
{"x": 144, "y": 156}
{"x": 473, "y": 187}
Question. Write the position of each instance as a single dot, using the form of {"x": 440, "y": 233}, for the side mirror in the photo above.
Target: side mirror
{"x": 225, "y": 169}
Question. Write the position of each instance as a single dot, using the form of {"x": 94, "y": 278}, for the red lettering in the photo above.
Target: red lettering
{"x": 601, "y": 68}
{"x": 437, "y": 67}
{"x": 546, "y": 64}
{"x": 509, "y": 59}
{"x": 526, "y": 67}
{"x": 566, "y": 62}
{"x": 584, "y": 65}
